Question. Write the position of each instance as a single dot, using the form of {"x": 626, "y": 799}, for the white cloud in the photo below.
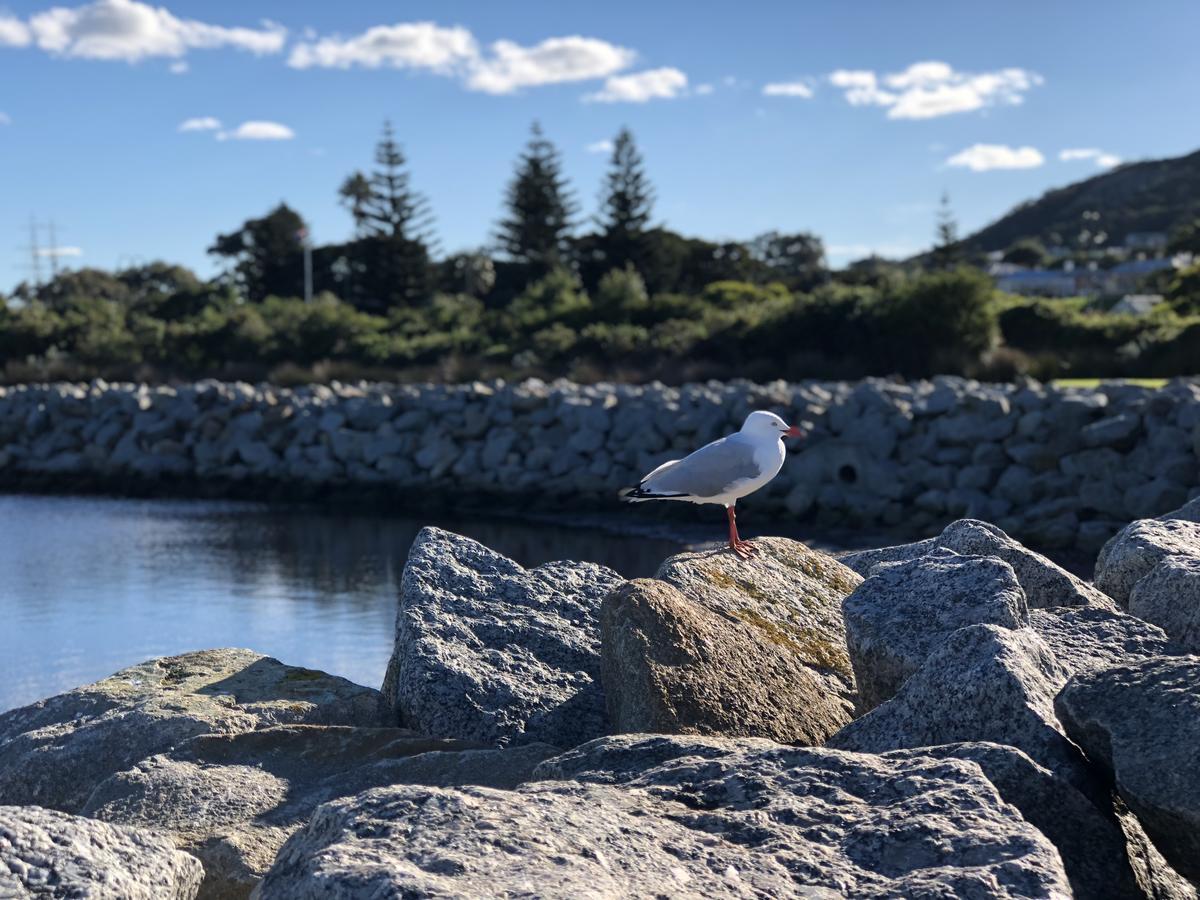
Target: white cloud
{"x": 653, "y": 84}
{"x": 4, "y": 119}
{"x": 600, "y": 147}
{"x": 511, "y": 66}
{"x": 788, "y": 89}
{"x": 258, "y": 131}
{"x": 504, "y": 67}
{"x": 200, "y": 123}
{"x": 130, "y": 31}
{"x": 1103, "y": 160}
{"x": 179, "y": 67}
{"x": 59, "y": 251}
{"x": 703, "y": 90}
{"x": 929, "y": 89}
{"x": 985, "y": 157}
{"x": 13, "y": 32}
{"x": 406, "y": 45}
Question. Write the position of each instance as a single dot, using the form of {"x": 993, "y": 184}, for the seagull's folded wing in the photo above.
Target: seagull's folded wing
{"x": 709, "y": 472}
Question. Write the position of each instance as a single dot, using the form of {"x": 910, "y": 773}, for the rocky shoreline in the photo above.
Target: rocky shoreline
{"x": 953, "y": 717}
{"x": 1058, "y": 468}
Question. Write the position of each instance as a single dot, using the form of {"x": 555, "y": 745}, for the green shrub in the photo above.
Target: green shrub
{"x": 621, "y": 295}
{"x": 940, "y": 322}
{"x": 558, "y": 297}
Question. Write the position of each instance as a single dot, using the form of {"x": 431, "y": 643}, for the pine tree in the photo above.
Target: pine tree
{"x": 389, "y": 259}
{"x": 947, "y": 252}
{"x": 628, "y": 198}
{"x": 391, "y": 208}
{"x": 540, "y": 207}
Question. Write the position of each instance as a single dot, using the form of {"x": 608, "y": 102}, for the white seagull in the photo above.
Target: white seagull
{"x": 724, "y": 471}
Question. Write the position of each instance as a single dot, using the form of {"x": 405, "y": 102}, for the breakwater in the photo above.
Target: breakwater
{"x": 1060, "y": 467}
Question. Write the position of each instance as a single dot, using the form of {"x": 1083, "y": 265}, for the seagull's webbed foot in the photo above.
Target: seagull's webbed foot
{"x": 744, "y": 549}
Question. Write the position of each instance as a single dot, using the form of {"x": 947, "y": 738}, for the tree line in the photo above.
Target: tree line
{"x": 392, "y": 259}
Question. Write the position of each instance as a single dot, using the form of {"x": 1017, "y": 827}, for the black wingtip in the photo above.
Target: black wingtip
{"x": 632, "y": 495}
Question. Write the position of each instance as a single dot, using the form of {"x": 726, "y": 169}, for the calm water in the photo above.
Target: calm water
{"x": 90, "y": 585}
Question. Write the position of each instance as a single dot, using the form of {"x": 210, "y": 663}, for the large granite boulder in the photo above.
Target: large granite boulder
{"x": 755, "y": 822}
{"x": 672, "y": 665}
{"x": 1089, "y": 840}
{"x": 232, "y": 800}
{"x": 904, "y": 610}
{"x": 1045, "y": 583}
{"x": 53, "y": 752}
{"x": 982, "y": 683}
{"x": 489, "y": 651}
{"x": 1101, "y": 862}
{"x": 44, "y": 853}
{"x": 1142, "y": 722}
{"x": 1169, "y": 596}
{"x": 1137, "y": 548}
{"x": 1085, "y": 639}
{"x": 788, "y": 592}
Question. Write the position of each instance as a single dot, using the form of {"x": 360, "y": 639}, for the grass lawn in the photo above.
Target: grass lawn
{"x": 1094, "y": 382}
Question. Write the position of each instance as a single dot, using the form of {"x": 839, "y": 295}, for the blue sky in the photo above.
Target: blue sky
{"x": 845, "y": 118}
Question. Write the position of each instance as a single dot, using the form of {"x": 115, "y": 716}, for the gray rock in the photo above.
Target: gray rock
{"x": 983, "y": 683}
{"x": 1190, "y": 511}
{"x": 789, "y": 593}
{"x": 488, "y": 651}
{"x": 1112, "y": 431}
{"x": 1169, "y": 596}
{"x": 754, "y": 822}
{"x": 670, "y": 665}
{"x": 903, "y": 611}
{"x": 1142, "y": 723}
{"x": 1087, "y": 639}
{"x": 1090, "y": 841}
{"x": 44, "y": 853}
{"x": 53, "y": 752}
{"x": 1138, "y": 548}
{"x": 232, "y": 800}
{"x": 1045, "y": 583}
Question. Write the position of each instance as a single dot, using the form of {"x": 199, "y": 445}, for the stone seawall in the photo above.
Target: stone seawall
{"x": 1059, "y": 467}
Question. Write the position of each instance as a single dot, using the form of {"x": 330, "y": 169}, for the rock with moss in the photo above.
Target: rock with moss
{"x": 788, "y": 593}
{"x": 750, "y": 821}
{"x": 904, "y": 610}
{"x": 672, "y": 665}
{"x": 1045, "y": 583}
{"x": 54, "y": 752}
{"x": 489, "y": 651}
{"x": 232, "y": 800}
{"x": 45, "y": 853}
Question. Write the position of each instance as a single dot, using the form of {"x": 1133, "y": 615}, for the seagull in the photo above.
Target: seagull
{"x": 724, "y": 471}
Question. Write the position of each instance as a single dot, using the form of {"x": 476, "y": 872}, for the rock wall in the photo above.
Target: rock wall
{"x": 1059, "y": 467}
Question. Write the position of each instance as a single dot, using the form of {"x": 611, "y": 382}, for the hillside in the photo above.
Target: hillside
{"x": 1155, "y": 195}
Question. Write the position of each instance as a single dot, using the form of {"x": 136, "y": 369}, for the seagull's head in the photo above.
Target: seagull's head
{"x": 763, "y": 423}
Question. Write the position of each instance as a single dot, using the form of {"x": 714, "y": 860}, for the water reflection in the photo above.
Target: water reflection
{"x": 89, "y": 585}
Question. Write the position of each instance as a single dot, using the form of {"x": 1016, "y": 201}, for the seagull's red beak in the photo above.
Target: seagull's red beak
{"x": 794, "y": 431}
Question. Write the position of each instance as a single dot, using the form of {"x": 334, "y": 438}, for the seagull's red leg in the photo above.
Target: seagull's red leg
{"x": 744, "y": 549}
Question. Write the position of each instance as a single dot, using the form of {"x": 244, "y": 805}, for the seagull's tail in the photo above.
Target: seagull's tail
{"x": 640, "y": 494}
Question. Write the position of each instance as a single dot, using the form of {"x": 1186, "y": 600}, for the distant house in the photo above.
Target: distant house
{"x": 1146, "y": 241}
{"x": 1137, "y": 304}
{"x": 1123, "y": 278}
{"x": 1039, "y": 283}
